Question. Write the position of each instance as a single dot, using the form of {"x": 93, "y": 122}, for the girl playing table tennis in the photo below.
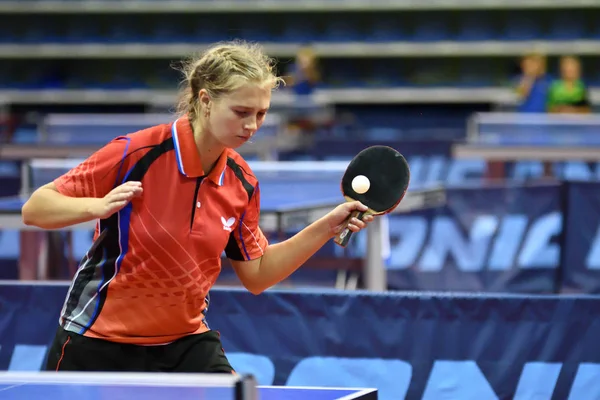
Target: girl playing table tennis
{"x": 169, "y": 201}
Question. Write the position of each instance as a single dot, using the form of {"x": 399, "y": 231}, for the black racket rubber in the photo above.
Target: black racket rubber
{"x": 389, "y": 177}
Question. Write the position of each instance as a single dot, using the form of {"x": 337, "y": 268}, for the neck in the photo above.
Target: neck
{"x": 209, "y": 149}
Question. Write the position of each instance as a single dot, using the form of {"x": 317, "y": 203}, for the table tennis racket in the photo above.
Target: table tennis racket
{"x": 388, "y": 175}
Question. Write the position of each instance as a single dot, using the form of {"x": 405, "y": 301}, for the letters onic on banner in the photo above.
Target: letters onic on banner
{"x": 410, "y": 346}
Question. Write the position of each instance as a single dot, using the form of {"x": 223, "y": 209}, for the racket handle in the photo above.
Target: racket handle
{"x": 343, "y": 237}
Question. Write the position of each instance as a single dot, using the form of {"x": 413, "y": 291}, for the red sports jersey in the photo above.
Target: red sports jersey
{"x": 146, "y": 278}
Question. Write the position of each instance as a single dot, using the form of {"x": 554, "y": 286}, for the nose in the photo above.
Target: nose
{"x": 250, "y": 124}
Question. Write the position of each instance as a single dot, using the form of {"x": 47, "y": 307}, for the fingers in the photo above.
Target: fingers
{"x": 356, "y": 205}
{"x": 130, "y": 189}
{"x": 129, "y": 186}
{"x": 117, "y": 205}
{"x": 135, "y": 187}
{"x": 356, "y": 224}
{"x": 122, "y": 196}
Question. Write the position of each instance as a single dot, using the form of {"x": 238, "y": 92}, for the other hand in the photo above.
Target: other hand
{"x": 116, "y": 199}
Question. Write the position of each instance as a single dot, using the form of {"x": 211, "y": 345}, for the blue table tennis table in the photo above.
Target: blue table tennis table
{"x": 159, "y": 386}
{"x": 508, "y": 137}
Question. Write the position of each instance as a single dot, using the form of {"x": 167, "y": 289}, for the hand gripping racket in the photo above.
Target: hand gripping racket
{"x": 388, "y": 176}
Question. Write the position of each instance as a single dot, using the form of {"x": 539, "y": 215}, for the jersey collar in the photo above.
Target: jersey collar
{"x": 188, "y": 159}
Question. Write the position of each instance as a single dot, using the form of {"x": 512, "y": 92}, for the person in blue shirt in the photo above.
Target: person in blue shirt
{"x": 533, "y": 85}
{"x": 533, "y": 89}
{"x": 305, "y": 75}
{"x": 303, "y": 79}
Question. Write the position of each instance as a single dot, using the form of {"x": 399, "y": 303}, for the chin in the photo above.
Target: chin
{"x": 235, "y": 143}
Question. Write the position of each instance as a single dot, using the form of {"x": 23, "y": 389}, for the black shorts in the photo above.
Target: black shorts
{"x": 201, "y": 353}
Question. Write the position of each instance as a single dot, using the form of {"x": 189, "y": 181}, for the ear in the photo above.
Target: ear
{"x": 204, "y": 98}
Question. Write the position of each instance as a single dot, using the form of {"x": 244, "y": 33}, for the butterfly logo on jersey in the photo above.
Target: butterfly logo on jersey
{"x": 227, "y": 224}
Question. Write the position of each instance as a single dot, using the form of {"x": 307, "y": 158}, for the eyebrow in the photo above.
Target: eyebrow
{"x": 250, "y": 108}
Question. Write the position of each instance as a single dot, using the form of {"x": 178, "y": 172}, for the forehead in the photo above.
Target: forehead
{"x": 250, "y": 95}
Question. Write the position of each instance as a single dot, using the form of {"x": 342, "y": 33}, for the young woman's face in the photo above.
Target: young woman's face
{"x": 235, "y": 117}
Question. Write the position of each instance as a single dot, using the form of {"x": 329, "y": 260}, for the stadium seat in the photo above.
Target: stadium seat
{"x": 388, "y": 29}
{"x": 522, "y": 27}
{"x": 341, "y": 30}
{"x": 433, "y": 28}
{"x": 568, "y": 25}
{"x": 476, "y": 26}
{"x": 299, "y": 32}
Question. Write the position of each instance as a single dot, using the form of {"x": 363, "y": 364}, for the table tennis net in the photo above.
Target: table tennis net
{"x": 525, "y": 129}
{"x": 30, "y": 385}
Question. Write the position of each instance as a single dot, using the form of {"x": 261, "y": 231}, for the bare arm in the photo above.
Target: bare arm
{"x": 280, "y": 260}
{"x": 49, "y": 209}
{"x": 524, "y": 86}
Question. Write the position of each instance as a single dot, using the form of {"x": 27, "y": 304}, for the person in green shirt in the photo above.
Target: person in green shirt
{"x": 568, "y": 94}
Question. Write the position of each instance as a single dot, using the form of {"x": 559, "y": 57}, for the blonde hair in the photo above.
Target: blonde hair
{"x": 221, "y": 69}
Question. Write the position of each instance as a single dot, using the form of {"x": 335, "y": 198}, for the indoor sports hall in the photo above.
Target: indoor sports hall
{"x": 479, "y": 280}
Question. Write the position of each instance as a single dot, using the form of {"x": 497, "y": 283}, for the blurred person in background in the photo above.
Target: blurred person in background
{"x": 534, "y": 84}
{"x": 303, "y": 79}
{"x": 305, "y": 73}
{"x": 569, "y": 94}
{"x": 532, "y": 88}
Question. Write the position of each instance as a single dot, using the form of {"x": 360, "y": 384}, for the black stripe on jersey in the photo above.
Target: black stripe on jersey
{"x": 195, "y": 200}
{"x": 239, "y": 173}
{"x": 88, "y": 265}
{"x": 140, "y": 168}
{"x": 232, "y": 250}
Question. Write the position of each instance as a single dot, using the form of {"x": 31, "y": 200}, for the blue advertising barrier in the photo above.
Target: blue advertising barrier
{"x": 580, "y": 272}
{"x": 423, "y": 346}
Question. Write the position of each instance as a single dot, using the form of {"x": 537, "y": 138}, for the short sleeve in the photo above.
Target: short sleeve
{"x": 247, "y": 242}
{"x": 97, "y": 175}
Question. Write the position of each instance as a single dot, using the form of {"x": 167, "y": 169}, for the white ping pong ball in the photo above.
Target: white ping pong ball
{"x": 360, "y": 184}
